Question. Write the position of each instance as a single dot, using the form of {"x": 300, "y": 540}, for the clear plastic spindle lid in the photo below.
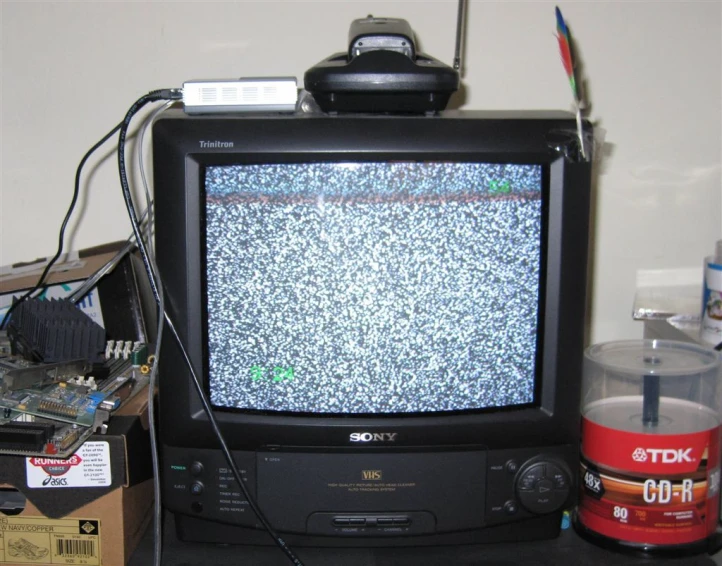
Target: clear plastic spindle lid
{"x": 652, "y": 386}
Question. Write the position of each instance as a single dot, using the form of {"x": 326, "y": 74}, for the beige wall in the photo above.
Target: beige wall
{"x": 70, "y": 70}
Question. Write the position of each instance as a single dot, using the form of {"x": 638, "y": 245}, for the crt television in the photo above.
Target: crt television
{"x": 387, "y": 314}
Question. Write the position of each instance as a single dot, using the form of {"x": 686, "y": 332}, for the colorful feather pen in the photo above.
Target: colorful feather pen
{"x": 565, "y": 50}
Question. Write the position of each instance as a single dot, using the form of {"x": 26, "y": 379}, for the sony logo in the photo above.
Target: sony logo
{"x": 373, "y": 437}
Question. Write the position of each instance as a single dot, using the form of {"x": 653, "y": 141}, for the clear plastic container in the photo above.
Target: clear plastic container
{"x": 711, "y": 320}
{"x": 652, "y": 386}
{"x": 650, "y": 454}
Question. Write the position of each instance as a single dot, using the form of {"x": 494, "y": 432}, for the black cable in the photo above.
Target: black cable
{"x": 135, "y": 224}
{"x": 175, "y": 94}
{"x": 153, "y": 96}
{"x": 224, "y": 448}
{"x": 61, "y": 236}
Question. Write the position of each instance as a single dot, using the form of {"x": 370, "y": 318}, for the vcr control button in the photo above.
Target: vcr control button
{"x": 512, "y": 466}
{"x": 196, "y": 469}
{"x": 530, "y": 477}
{"x": 557, "y": 475}
{"x": 543, "y": 487}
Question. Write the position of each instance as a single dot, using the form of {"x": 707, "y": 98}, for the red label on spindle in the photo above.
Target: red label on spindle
{"x": 660, "y": 489}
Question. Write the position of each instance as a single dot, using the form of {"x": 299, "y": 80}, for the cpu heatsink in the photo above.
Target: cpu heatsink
{"x": 55, "y": 330}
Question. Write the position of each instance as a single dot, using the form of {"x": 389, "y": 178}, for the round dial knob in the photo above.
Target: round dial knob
{"x": 543, "y": 486}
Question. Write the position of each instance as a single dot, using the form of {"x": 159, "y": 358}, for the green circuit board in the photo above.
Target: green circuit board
{"x": 51, "y": 409}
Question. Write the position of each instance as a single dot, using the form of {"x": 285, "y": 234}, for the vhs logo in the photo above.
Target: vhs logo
{"x": 371, "y": 474}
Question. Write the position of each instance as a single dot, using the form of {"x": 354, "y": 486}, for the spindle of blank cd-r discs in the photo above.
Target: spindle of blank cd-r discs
{"x": 650, "y": 445}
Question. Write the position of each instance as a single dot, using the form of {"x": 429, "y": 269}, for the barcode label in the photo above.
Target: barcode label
{"x": 38, "y": 540}
{"x": 75, "y": 548}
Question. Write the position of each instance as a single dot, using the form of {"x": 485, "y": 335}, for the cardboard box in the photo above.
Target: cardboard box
{"x": 92, "y": 508}
{"x": 121, "y": 302}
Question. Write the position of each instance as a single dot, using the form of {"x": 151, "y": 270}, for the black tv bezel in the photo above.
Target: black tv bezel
{"x": 179, "y": 162}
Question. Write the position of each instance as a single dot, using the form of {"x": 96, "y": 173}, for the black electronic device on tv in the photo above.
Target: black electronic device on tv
{"x": 387, "y": 313}
{"x": 382, "y": 71}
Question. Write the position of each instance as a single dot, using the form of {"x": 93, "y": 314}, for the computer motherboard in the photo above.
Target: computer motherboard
{"x": 51, "y": 409}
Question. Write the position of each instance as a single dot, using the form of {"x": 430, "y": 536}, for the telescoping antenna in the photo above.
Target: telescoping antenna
{"x": 460, "y": 34}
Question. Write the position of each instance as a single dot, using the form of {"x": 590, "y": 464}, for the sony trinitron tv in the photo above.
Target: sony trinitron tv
{"x": 387, "y": 315}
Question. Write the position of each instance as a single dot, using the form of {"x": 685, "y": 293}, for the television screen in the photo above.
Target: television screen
{"x": 373, "y": 287}
{"x": 387, "y": 313}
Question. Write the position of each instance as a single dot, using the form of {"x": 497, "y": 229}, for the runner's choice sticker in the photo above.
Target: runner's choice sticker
{"x": 88, "y": 467}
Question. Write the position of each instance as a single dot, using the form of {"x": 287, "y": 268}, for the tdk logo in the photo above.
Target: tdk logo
{"x": 663, "y": 455}
{"x": 373, "y": 437}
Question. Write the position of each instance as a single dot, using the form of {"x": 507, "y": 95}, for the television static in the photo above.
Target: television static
{"x": 372, "y": 287}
